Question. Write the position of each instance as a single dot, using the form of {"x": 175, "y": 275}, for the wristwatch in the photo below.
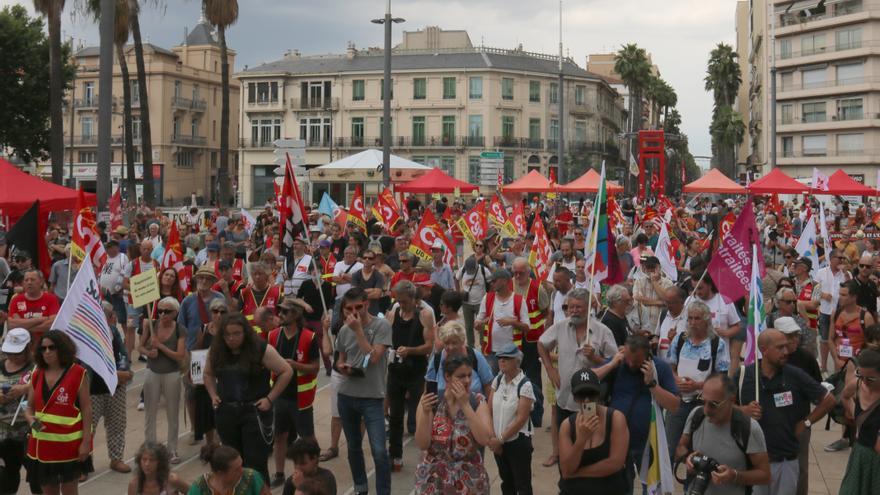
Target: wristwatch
{"x": 652, "y": 384}
{"x": 808, "y": 423}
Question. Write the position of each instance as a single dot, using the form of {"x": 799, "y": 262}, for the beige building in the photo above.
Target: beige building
{"x": 827, "y": 96}
{"x": 184, "y": 90}
{"x": 603, "y": 65}
{"x": 450, "y": 101}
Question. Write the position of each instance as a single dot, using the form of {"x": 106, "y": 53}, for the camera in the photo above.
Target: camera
{"x": 703, "y": 467}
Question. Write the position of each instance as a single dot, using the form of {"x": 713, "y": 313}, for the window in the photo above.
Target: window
{"x": 787, "y": 111}
{"x": 357, "y": 131}
{"x": 813, "y": 112}
{"x": 382, "y": 89}
{"x": 850, "y": 73}
{"x": 787, "y": 146}
{"x": 184, "y": 159}
{"x": 448, "y": 88}
{"x": 136, "y": 127}
{"x": 506, "y": 88}
{"x": 448, "y": 130}
{"x": 88, "y": 157}
{"x": 812, "y": 44}
{"x": 88, "y": 127}
{"x": 850, "y": 109}
{"x": 447, "y": 164}
{"x": 475, "y": 131}
{"x": 846, "y": 39}
{"x": 382, "y": 128}
{"x": 580, "y": 95}
{"x": 194, "y": 127}
{"x": 262, "y": 183}
{"x": 357, "y": 90}
{"x": 418, "y": 131}
{"x": 420, "y": 88}
{"x": 534, "y": 132}
{"x": 507, "y": 128}
{"x": 262, "y": 92}
{"x": 553, "y": 133}
{"x": 848, "y": 7}
{"x": 474, "y": 169}
{"x": 815, "y": 145}
{"x": 554, "y": 93}
{"x": 535, "y": 91}
{"x": 580, "y": 131}
{"x": 89, "y": 92}
{"x": 252, "y": 92}
{"x": 265, "y": 131}
{"x": 786, "y": 81}
{"x": 315, "y": 131}
{"x": 475, "y": 88}
{"x": 508, "y": 169}
{"x": 850, "y": 144}
{"x": 178, "y": 89}
{"x": 135, "y": 92}
{"x": 195, "y": 92}
{"x": 813, "y": 78}
{"x": 785, "y": 48}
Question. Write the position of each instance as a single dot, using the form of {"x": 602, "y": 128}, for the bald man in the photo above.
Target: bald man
{"x": 782, "y": 408}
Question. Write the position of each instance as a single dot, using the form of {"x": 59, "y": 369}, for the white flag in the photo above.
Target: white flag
{"x": 823, "y": 231}
{"x": 249, "y": 221}
{"x": 633, "y": 165}
{"x": 820, "y": 180}
{"x": 666, "y": 255}
{"x": 806, "y": 245}
{"x": 82, "y": 318}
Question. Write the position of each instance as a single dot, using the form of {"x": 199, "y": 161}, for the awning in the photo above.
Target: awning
{"x": 714, "y": 182}
{"x": 777, "y": 182}
{"x": 435, "y": 181}
{"x": 841, "y": 184}
{"x": 532, "y": 182}
{"x": 589, "y": 182}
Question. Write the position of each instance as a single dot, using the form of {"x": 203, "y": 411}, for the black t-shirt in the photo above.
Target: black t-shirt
{"x": 376, "y": 281}
{"x": 870, "y": 428}
{"x": 323, "y": 476}
{"x": 287, "y": 349}
{"x": 801, "y": 359}
{"x": 866, "y": 296}
{"x": 337, "y": 246}
{"x": 785, "y": 401}
{"x": 308, "y": 292}
{"x": 618, "y": 326}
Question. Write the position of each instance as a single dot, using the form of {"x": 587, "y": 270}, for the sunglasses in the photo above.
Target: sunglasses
{"x": 792, "y": 301}
{"x": 369, "y": 257}
{"x": 869, "y": 379}
{"x": 864, "y": 266}
{"x": 165, "y": 311}
{"x": 478, "y": 245}
{"x": 715, "y": 404}
{"x": 565, "y": 307}
{"x": 46, "y": 348}
{"x": 219, "y": 311}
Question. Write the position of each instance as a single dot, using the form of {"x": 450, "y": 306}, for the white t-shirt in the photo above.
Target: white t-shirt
{"x": 502, "y": 334}
{"x": 340, "y": 269}
{"x": 113, "y": 273}
{"x": 558, "y": 302}
{"x": 830, "y": 283}
{"x": 300, "y": 274}
{"x": 679, "y": 323}
{"x": 505, "y": 402}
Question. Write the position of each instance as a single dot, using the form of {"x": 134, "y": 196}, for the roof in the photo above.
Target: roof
{"x": 840, "y": 183}
{"x": 777, "y": 182}
{"x": 476, "y": 58}
{"x": 531, "y": 182}
{"x": 436, "y": 181}
{"x": 714, "y": 182}
{"x": 589, "y": 182}
{"x": 370, "y": 160}
{"x": 201, "y": 35}
{"x": 94, "y": 51}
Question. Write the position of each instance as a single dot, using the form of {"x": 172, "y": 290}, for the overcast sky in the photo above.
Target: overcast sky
{"x": 679, "y": 34}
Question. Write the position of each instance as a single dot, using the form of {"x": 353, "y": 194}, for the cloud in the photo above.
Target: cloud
{"x": 679, "y": 34}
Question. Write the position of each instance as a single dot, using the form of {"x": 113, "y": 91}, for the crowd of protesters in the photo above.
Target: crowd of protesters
{"x": 469, "y": 357}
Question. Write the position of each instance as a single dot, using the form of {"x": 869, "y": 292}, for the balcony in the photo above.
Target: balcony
{"x": 84, "y": 140}
{"x": 199, "y": 105}
{"x": 354, "y": 142}
{"x": 426, "y": 142}
{"x": 256, "y": 144}
{"x": 314, "y": 104}
{"x": 318, "y": 143}
{"x": 180, "y": 103}
{"x": 801, "y": 89}
{"x": 86, "y": 103}
{"x": 473, "y": 141}
{"x": 263, "y": 105}
{"x": 800, "y": 18}
{"x": 519, "y": 143}
{"x": 197, "y": 141}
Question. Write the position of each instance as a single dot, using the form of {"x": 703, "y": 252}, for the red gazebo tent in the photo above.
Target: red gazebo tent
{"x": 19, "y": 190}
{"x": 714, "y": 182}
{"x": 841, "y": 184}
{"x": 777, "y": 182}
{"x": 532, "y": 182}
{"x": 435, "y": 181}
{"x": 589, "y": 182}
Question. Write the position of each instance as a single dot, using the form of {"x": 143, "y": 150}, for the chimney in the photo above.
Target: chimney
{"x": 350, "y": 50}
{"x": 291, "y": 54}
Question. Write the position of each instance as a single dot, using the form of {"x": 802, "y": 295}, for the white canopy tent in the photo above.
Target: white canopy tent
{"x": 340, "y": 177}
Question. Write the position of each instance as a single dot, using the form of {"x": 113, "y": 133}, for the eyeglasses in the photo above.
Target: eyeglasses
{"x": 369, "y": 258}
{"x": 869, "y": 379}
{"x": 565, "y": 307}
{"x": 715, "y": 404}
{"x": 47, "y": 348}
{"x": 792, "y": 301}
{"x": 165, "y": 311}
{"x": 864, "y": 266}
{"x": 219, "y": 311}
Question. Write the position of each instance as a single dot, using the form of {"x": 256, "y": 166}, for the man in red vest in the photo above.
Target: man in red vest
{"x": 537, "y": 299}
{"x": 227, "y": 253}
{"x": 261, "y": 293}
{"x": 293, "y": 408}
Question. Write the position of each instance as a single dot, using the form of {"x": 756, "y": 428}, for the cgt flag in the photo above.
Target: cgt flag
{"x": 356, "y": 213}
{"x": 385, "y": 210}
{"x": 116, "y": 209}
{"x": 428, "y": 232}
{"x": 85, "y": 240}
{"x": 518, "y": 219}
{"x": 173, "y": 258}
{"x": 82, "y": 318}
{"x": 541, "y": 251}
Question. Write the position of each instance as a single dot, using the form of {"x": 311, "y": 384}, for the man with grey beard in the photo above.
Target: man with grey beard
{"x": 578, "y": 348}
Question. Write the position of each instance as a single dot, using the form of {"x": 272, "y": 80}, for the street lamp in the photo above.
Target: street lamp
{"x": 386, "y": 94}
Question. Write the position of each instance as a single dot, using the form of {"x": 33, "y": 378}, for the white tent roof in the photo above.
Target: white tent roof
{"x": 370, "y": 160}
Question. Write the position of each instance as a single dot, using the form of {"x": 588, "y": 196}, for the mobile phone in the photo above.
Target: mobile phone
{"x": 588, "y": 408}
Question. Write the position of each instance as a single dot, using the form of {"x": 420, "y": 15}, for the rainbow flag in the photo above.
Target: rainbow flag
{"x": 82, "y": 318}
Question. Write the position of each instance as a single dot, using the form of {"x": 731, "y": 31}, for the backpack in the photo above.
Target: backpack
{"x": 838, "y": 413}
{"x": 714, "y": 343}
{"x": 472, "y": 358}
{"x": 740, "y": 430}
{"x": 519, "y": 386}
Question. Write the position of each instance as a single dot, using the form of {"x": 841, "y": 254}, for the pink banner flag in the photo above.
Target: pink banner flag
{"x": 731, "y": 265}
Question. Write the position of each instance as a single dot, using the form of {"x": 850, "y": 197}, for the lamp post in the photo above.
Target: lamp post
{"x": 386, "y": 94}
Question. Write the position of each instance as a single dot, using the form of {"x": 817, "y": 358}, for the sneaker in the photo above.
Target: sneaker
{"x": 396, "y": 465}
{"x": 140, "y": 405}
{"x": 175, "y": 459}
{"x": 277, "y": 480}
{"x": 142, "y": 359}
{"x": 837, "y": 445}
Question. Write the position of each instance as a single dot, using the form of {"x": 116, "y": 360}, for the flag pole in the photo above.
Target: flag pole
{"x": 755, "y": 328}
{"x": 594, "y": 239}
{"x": 69, "y": 268}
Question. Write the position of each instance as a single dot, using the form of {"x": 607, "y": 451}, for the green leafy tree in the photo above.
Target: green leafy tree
{"x": 727, "y": 132}
{"x": 631, "y": 63}
{"x": 25, "y": 87}
{"x": 723, "y": 78}
{"x": 222, "y": 14}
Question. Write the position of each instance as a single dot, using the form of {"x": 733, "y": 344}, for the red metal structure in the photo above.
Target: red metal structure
{"x": 652, "y": 145}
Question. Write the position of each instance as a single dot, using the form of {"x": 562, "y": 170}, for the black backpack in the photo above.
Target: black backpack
{"x": 519, "y": 386}
{"x": 740, "y": 430}
{"x": 472, "y": 358}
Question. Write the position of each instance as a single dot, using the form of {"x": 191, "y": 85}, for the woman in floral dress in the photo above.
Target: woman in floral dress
{"x": 452, "y": 432}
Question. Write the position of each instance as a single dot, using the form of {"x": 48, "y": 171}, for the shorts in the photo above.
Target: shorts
{"x": 285, "y": 415}
{"x": 135, "y": 316}
{"x": 335, "y": 380}
{"x": 743, "y": 333}
{"x": 305, "y": 423}
{"x": 824, "y": 327}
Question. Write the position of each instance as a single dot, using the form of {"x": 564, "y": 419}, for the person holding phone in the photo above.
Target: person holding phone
{"x": 592, "y": 443}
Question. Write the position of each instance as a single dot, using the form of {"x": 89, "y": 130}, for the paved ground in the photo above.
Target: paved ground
{"x": 826, "y": 469}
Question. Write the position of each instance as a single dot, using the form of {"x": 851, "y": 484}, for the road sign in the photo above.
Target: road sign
{"x": 289, "y": 143}
{"x": 491, "y": 162}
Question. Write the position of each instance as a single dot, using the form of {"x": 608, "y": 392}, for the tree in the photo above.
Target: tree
{"x": 631, "y": 63}
{"x": 52, "y": 9}
{"x": 723, "y": 78}
{"x": 24, "y": 84}
{"x": 727, "y": 132}
{"x": 146, "y": 136}
{"x": 222, "y": 14}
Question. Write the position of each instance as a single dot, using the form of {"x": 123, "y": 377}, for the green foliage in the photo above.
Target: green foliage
{"x": 723, "y": 78}
{"x": 24, "y": 84}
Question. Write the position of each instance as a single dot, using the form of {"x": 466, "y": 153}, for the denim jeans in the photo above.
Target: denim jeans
{"x": 352, "y": 410}
{"x": 675, "y": 425}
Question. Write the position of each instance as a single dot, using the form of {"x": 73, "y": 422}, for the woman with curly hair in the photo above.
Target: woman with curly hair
{"x": 228, "y": 475}
{"x": 152, "y": 474}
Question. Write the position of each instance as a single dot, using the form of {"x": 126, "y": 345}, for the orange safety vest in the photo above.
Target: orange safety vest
{"x": 62, "y": 431}
{"x": 487, "y": 332}
{"x": 537, "y": 318}
{"x": 250, "y": 304}
{"x": 305, "y": 384}
{"x": 806, "y": 294}
{"x": 327, "y": 266}
{"x": 237, "y": 269}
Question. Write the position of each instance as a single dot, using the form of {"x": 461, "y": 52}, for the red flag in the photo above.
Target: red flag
{"x": 278, "y": 197}
{"x": 474, "y": 223}
{"x": 552, "y": 178}
{"x": 85, "y": 240}
{"x": 655, "y": 183}
{"x": 615, "y": 215}
{"x": 727, "y": 223}
{"x": 428, "y": 232}
{"x": 774, "y": 206}
{"x": 385, "y": 210}
{"x": 541, "y": 251}
{"x": 518, "y": 218}
{"x": 173, "y": 257}
{"x": 116, "y": 209}
{"x": 731, "y": 266}
{"x": 356, "y": 210}
{"x": 291, "y": 210}
{"x": 497, "y": 214}
{"x": 447, "y": 214}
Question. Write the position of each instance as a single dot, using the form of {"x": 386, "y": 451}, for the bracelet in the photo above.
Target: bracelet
{"x": 270, "y": 400}
{"x": 735, "y": 477}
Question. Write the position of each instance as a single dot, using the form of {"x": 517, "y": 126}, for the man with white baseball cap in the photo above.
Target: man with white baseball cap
{"x": 16, "y": 341}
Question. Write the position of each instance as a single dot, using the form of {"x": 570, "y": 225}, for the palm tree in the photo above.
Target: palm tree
{"x": 146, "y": 136}
{"x": 723, "y": 78}
{"x": 52, "y": 9}
{"x": 631, "y": 63}
{"x": 222, "y": 14}
{"x": 727, "y": 132}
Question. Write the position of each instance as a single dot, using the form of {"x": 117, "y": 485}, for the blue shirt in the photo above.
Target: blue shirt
{"x": 480, "y": 377}
{"x": 632, "y": 397}
{"x": 190, "y": 318}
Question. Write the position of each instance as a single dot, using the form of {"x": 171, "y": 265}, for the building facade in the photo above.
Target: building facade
{"x": 184, "y": 92}
{"x": 827, "y": 94}
{"x": 450, "y": 101}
